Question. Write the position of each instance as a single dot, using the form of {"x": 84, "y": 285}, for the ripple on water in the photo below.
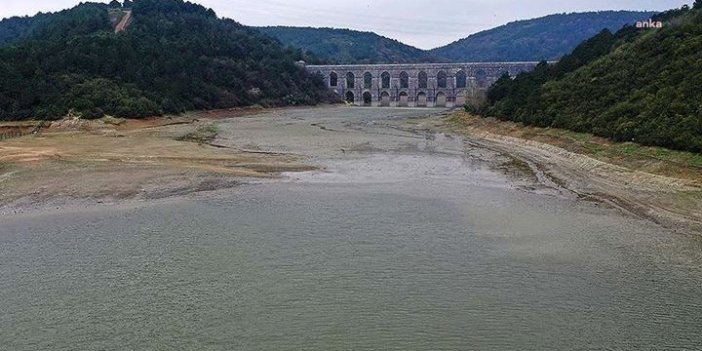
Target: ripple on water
{"x": 412, "y": 244}
{"x": 405, "y": 266}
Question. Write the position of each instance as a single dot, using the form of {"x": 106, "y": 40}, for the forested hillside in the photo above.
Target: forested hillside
{"x": 175, "y": 56}
{"x": 16, "y": 28}
{"x": 638, "y": 85}
{"x": 74, "y": 21}
{"x": 346, "y": 46}
{"x": 546, "y": 38}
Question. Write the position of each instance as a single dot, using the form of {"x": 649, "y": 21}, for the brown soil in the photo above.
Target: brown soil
{"x": 124, "y": 22}
{"x": 114, "y": 158}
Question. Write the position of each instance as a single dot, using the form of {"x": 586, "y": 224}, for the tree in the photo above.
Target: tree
{"x": 115, "y": 4}
{"x": 606, "y": 86}
{"x": 127, "y": 4}
{"x": 73, "y": 61}
{"x": 697, "y": 4}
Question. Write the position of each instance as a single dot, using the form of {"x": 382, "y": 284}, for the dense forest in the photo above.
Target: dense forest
{"x": 545, "y": 38}
{"x": 639, "y": 85}
{"x": 345, "y": 46}
{"x": 175, "y": 56}
{"x": 16, "y": 28}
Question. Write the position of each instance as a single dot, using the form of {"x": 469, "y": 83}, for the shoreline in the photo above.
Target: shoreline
{"x": 672, "y": 202}
{"x": 143, "y": 162}
{"x": 80, "y": 162}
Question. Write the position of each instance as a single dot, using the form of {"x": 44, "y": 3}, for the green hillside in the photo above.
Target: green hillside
{"x": 15, "y": 28}
{"x": 345, "y": 46}
{"x": 639, "y": 85}
{"x": 546, "y": 38}
{"x": 174, "y": 56}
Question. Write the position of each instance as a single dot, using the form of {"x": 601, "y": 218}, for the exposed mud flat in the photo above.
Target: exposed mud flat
{"x": 74, "y": 161}
{"x": 332, "y": 228}
{"x": 390, "y": 145}
{"x": 675, "y": 202}
{"x": 109, "y": 161}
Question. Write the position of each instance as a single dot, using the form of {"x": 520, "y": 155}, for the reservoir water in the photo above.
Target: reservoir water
{"x": 403, "y": 241}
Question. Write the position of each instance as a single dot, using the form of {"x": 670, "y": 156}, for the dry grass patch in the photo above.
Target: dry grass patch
{"x": 126, "y": 159}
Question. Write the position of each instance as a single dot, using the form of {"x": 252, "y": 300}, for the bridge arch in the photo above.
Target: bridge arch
{"x": 333, "y": 79}
{"x": 404, "y": 99}
{"x": 384, "y": 99}
{"x": 502, "y": 72}
{"x": 422, "y": 99}
{"x": 481, "y": 78}
{"x": 385, "y": 80}
{"x": 367, "y": 80}
{"x": 461, "y": 79}
{"x": 461, "y": 98}
{"x": 422, "y": 80}
{"x": 350, "y": 80}
{"x": 367, "y": 98}
{"x": 404, "y": 80}
{"x": 441, "y": 79}
{"x": 440, "y": 100}
{"x": 350, "y": 98}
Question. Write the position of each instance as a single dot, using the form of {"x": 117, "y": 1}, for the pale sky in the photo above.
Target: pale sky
{"x": 425, "y": 24}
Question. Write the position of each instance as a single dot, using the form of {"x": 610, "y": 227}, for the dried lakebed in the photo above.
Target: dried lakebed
{"x": 404, "y": 239}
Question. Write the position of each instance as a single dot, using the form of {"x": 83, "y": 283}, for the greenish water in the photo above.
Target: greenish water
{"x": 392, "y": 250}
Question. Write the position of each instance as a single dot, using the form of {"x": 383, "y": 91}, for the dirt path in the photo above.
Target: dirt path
{"x": 124, "y": 23}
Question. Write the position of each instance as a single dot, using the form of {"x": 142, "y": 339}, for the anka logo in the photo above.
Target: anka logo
{"x": 649, "y": 24}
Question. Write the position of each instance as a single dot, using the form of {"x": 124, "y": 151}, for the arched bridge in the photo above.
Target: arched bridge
{"x": 415, "y": 85}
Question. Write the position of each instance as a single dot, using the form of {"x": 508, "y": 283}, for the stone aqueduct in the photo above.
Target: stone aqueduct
{"x": 415, "y": 85}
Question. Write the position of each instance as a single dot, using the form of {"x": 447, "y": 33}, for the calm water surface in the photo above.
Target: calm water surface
{"x": 394, "y": 249}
